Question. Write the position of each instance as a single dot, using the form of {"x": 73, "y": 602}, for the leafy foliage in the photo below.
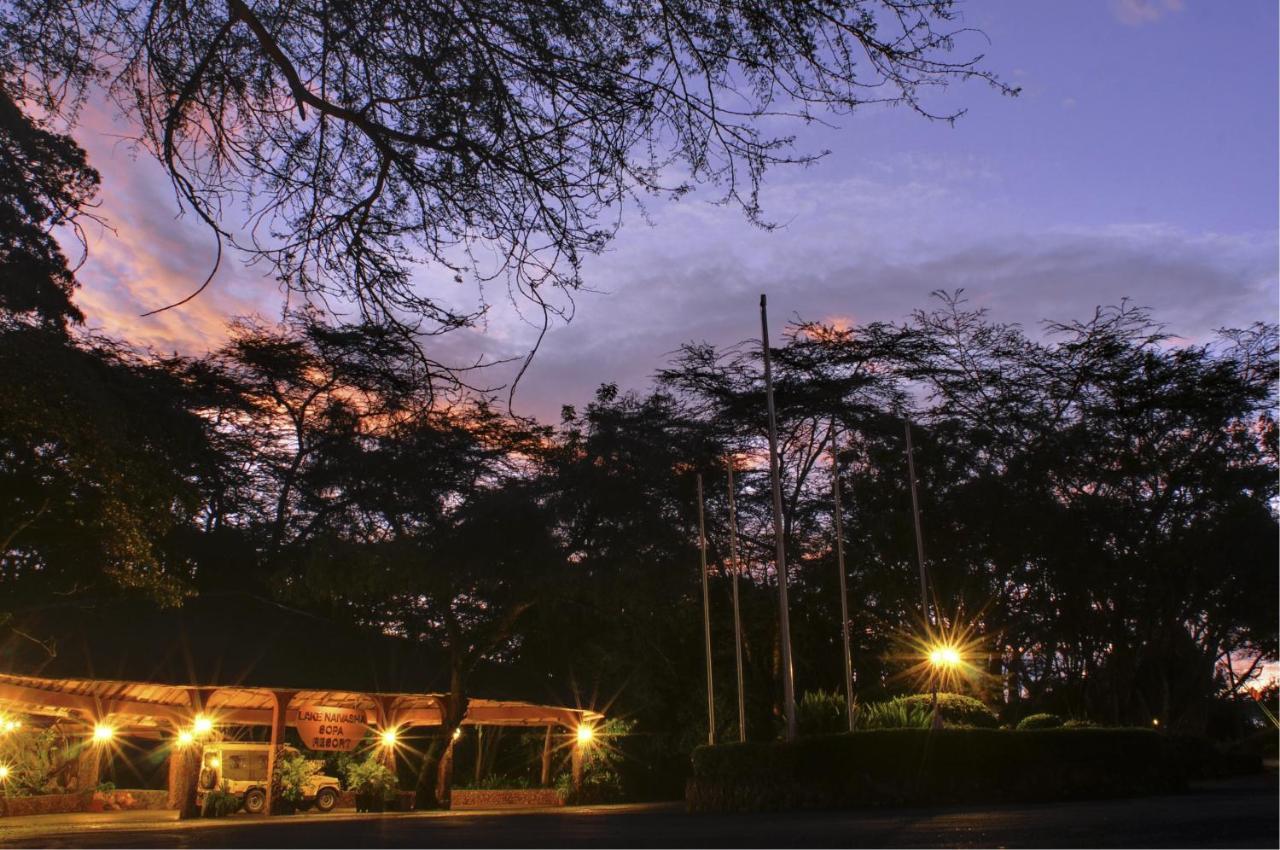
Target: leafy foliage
{"x": 821, "y": 713}
{"x": 220, "y": 802}
{"x": 1042, "y": 720}
{"x": 293, "y": 772}
{"x": 41, "y": 760}
{"x": 370, "y": 777}
{"x": 369, "y": 137}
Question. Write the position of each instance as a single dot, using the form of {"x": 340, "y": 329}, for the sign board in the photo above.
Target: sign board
{"x": 323, "y": 727}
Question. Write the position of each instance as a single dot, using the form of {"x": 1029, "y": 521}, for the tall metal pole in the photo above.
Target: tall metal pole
{"x": 844, "y": 593}
{"x": 784, "y": 615}
{"x": 936, "y": 716}
{"x": 706, "y": 619}
{"x": 915, "y": 512}
{"x": 737, "y": 617}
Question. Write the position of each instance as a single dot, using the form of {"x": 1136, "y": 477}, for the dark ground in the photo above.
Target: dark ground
{"x": 1236, "y": 813}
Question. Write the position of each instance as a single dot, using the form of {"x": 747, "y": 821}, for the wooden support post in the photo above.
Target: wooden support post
{"x": 479, "y": 766}
{"x": 184, "y": 779}
{"x": 546, "y": 758}
{"x": 279, "y": 717}
{"x": 387, "y": 719}
{"x": 88, "y": 765}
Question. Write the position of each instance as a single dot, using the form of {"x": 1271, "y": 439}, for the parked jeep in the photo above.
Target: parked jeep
{"x": 242, "y": 769}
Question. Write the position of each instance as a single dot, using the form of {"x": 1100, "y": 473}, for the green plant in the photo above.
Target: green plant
{"x": 956, "y": 709}
{"x": 219, "y": 803}
{"x": 1043, "y": 720}
{"x": 372, "y": 781}
{"x": 39, "y": 759}
{"x": 1080, "y": 723}
{"x": 894, "y": 714}
{"x": 293, "y": 772}
{"x": 821, "y": 713}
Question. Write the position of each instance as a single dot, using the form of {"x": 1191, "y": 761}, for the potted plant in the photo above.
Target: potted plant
{"x": 373, "y": 783}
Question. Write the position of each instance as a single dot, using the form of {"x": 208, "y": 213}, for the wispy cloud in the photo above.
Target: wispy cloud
{"x": 1138, "y": 12}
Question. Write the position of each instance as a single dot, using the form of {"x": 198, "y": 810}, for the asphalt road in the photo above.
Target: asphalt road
{"x": 1241, "y": 813}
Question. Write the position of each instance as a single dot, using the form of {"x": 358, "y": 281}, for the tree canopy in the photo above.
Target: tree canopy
{"x": 491, "y": 138}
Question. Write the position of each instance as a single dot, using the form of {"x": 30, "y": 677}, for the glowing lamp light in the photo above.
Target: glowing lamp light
{"x": 4, "y": 772}
{"x": 185, "y": 738}
{"x": 457, "y": 733}
{"x": 944, "y": 656}
{"x": 388, "y": 737}
{"x": 102, "y": 733}
{"x": 215, "y": 762}
{"x": 1155, "y": 721}
{"x": 202, "y": 725}
{"x": 585, "y": 734}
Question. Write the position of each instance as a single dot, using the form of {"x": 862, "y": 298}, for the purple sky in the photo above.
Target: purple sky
{"x": 1140, "y": 161}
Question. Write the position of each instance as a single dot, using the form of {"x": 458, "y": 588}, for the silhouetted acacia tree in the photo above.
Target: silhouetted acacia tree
{"x": 493, "y": 136}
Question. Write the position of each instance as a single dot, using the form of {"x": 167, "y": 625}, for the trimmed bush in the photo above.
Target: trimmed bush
{"x": 1040, "y": 721}
{"x": 1081, "y": 723}
{"x": 918, "y": 766}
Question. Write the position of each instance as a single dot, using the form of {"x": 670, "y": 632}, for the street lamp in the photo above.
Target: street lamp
{"x": 387, "y": 737}
{"x": 585, "y": 735}
{"x": 944, "y": 659}
{"x": 202, "y": 725}
{"x": 186, "y": 738}
{"x": 102, "y": 733}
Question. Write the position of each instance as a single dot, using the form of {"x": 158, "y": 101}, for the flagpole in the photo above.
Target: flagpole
{"x": 915, "y": 513}
{"x": 784, "y": 616}
{"x": 844, "y": 593}
{"x": 706, "y": 618}
{"x": 737, "y": 617}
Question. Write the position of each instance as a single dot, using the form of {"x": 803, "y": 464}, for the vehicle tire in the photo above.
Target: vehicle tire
{"x": 255, "y": 800}
{"x": 326, "y": 799}
{"x": 208, "y": 778}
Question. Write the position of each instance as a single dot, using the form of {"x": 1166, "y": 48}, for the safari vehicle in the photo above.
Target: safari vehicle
{"x": 242, "y": 769}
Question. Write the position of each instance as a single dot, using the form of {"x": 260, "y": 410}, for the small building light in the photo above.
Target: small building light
{"x": 4, "y": 772}
{"x": 202, "y": 725}
{"x": 388, "y": 737}
{"x": 585, "y": 734}
{"x": 185, "y": 738}
{"x": 102, "y": 733}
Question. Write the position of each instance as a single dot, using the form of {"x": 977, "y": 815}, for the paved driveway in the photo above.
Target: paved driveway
{"x": 1240, "y": 813}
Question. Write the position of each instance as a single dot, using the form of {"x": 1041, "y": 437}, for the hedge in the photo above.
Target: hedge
{"x": 920, "y": 766}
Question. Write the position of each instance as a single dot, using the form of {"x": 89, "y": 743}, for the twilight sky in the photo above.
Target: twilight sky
{"x": 1140, "y": 161}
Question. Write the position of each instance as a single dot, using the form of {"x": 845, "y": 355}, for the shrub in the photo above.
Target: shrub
{"x": 821, "y": 713}
{"x": 956, "y": 710}
{"x": 1081, "y": 723}
{"x": 373, "y": 783}
{"x": 1043, "y": 720}
{"x": 918, "y": 766}
{"x": 894, "y": 714}
{"x": 219, "y": 803}
{"x": 293, "y": 772}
